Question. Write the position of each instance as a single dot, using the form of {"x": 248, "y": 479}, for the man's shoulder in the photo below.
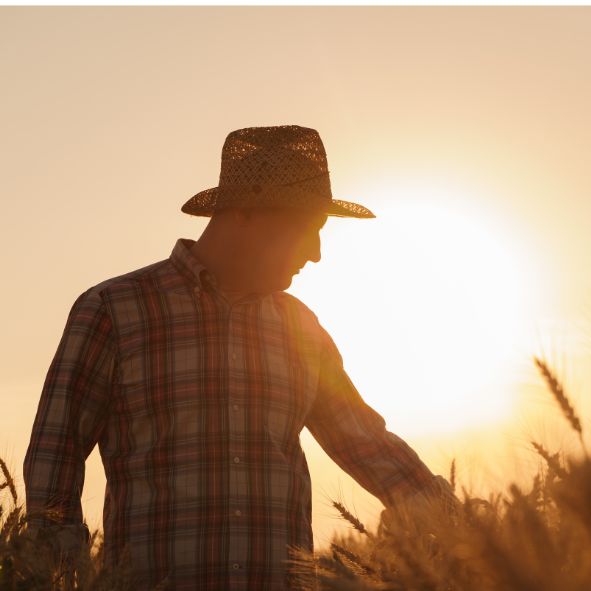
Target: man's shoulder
{"x": 128, "y": 282}
{"x": 289, "y": 299}
{"x": 306, "y": 316}
{"x": 305, "y": 322}
{"x": 130, "y": 279}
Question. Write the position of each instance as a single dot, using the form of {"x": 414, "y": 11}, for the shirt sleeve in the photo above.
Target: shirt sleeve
{"x": 70, "y": 416}
{"x": 354, "y": 435}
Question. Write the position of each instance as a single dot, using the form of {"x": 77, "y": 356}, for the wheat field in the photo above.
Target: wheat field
{"x": 523, "y": 539}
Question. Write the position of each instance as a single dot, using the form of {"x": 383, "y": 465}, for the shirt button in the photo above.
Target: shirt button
{"x": 236, "y": 460}
{"x": 235, "y": 407}
{"x": 235, "y": 566}
{"x": 238, "y": 513}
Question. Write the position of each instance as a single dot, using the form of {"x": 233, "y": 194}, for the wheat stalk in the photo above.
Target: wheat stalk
{"x": 352, "y": 557}
{"x": 560, "y": 396}
{"x": 551, "y": 460}
{"x": 452, "y": 476}
{"x": 9, "y": 481}
{"x": 351, "y": 518}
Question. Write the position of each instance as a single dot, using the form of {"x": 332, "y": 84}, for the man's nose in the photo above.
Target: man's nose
{"x": 314, "y": 253}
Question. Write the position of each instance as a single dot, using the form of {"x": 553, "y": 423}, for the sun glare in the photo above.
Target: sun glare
{"x": 431, "y": 316}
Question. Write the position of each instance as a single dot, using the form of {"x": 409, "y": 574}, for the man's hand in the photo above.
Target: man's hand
{"x": 439, "y": 494}
{"x": 435, "y": 503}
{"x": 64, "y": 542}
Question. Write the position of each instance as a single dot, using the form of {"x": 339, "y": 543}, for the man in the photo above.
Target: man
{"x": 195, "y": 376}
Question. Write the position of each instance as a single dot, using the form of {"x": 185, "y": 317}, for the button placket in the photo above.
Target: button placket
{"x": 237, "y": 551}
{"x": 235, "y": 406}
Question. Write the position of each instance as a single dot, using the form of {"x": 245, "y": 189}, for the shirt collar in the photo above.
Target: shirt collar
{"x": 184, "y": 259}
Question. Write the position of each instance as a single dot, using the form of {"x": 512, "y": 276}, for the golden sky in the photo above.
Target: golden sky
{"x": 466, "y": 130}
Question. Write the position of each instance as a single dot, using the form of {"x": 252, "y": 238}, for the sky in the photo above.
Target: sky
{"x": 465, "y": 130}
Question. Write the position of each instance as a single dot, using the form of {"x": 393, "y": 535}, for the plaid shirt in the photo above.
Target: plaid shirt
{"x": 197, "y": 406}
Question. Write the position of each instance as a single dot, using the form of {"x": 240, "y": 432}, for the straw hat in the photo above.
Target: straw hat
{"x": 283, "y": 165}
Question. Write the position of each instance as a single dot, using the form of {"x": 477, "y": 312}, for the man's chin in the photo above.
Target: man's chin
{"x": 284, "y": 282}
{"x": 281, "y": 283}
{"x": 284, "y": 285}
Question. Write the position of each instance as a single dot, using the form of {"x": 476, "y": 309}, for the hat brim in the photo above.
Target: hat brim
{"x": 204, "y": 204}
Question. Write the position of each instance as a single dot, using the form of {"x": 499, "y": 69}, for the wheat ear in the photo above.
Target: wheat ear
{"x": 9, "y": 481}
{"x": 551, "y": 460}
{"x": 351, "y": 518}
{"x": 560, "y": 396}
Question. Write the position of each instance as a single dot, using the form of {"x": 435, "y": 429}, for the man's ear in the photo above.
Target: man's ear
{"x": 245, "y": 216}
{"x": 234, "y": 215}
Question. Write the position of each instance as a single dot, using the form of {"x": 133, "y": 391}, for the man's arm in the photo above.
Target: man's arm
{"x": 355, "y": 437}
{"x": 70, "y": 416}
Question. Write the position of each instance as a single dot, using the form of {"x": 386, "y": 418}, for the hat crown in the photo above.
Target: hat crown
{"x": 279, "y": 156}
{"x": 278, "y": 166}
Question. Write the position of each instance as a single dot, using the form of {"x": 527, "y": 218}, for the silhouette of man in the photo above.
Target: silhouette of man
{"x": 195, "y": 376}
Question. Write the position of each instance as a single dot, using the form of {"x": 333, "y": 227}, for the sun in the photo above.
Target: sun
{"x": 428, "y": 304}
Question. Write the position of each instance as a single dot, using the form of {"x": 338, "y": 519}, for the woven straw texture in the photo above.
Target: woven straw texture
{"x": 281, "y": 166}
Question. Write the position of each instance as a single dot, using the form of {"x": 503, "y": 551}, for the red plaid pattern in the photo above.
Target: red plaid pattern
{"x": 197, "y": 406}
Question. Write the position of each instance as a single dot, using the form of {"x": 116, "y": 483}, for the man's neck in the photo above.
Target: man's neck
{"x": 227, "y": 278}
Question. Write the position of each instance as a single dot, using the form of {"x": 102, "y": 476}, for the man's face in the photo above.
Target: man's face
{"x": 281, "y": 242}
